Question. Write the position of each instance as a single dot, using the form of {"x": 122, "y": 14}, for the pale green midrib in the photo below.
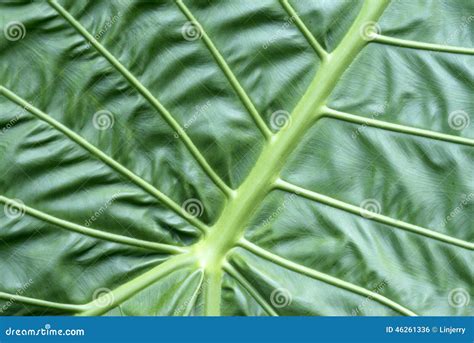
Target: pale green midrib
{"x": 212, "y": 290}
{"x": 150, "y": 189}
{"x": 244, "y": 97}
{"x": 229, "y": 228}
{"x": 43, "y": 303}
{"x": 328, "y": 112}
{"x": 305, "y": 31}
{"x": 147, "y": 95}
{"x": 324, "y": 277}
{"x": 288, "y": 187}
{"x": 163, "y": 248}
{"x": 404, "y": 43}
{"x": 127, "y": 290}
{"x": 250, "y": 289}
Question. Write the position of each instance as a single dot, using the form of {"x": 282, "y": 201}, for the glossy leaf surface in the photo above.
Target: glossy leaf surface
{"x": 236, "y": 157}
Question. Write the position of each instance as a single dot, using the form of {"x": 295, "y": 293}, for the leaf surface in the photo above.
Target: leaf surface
{"x": 236, "y": 158}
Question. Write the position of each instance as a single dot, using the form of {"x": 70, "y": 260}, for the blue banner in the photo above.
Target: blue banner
{"x": 236, "y": 329}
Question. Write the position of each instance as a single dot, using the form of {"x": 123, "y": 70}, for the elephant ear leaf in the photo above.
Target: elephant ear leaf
{"x": 236, "y": 158}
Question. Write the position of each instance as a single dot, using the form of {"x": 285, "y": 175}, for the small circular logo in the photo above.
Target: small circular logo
{"x": 191, "y": 31}
{"x": 459, "y": 297}
{"x": 458, "y": 120}
{"x": 280, "y": 120}
{"x": 14, "y": 31}
{"x": 193, "y": 207}
{"x": 103, "y": 120}
{"x": 14, "y": 209}
{"x": 103, "y": 297}
{"x": 369, "y": 208}
{"x": 369, "y": 30}
{"x": 280, "y": 297}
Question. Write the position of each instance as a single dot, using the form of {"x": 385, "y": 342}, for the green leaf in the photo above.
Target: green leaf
{"x": 236, "y": 158}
